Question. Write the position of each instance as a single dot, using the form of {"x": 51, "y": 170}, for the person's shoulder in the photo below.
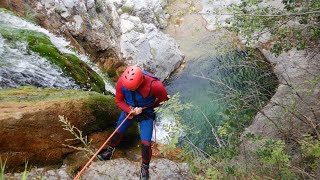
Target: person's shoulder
{"x": 157, "y": 83}
{"x": 150, "y": 75}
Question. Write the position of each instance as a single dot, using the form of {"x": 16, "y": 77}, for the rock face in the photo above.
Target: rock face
{"x": 144, "y": 45}
{"x": 148, "y": 11}
{"x": 30, "y": 129}
{"x": 294, "y": 110}
{"x": 42, "y": 173}
{"x": 124, "y": 169}
{"x": 115, "y": 33}
{"x": 160, "y": 169}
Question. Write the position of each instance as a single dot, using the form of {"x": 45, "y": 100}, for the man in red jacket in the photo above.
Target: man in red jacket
{"x": 138, "y": 93}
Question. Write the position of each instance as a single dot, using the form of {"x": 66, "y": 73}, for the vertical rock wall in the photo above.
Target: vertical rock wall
{"x": 114, "y": 33}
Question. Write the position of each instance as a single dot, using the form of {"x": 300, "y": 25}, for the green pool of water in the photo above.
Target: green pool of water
{"x": 213, "y": 84}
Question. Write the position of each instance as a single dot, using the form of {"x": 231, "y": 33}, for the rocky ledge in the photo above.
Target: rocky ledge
{"x": 160, "y": 169}
{"x": 30, "y": 129}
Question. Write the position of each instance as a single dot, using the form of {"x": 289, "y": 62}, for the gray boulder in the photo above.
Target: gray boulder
{"x": 125, "y": 169}
{"x": 144, "y": 45}
{"x": 294, "y": 110}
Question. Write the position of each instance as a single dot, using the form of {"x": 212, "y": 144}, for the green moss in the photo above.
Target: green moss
{"x": 8, "y": 11}
{"x": 112, "y": 72}
{"x": 102, "y": 104}
{"x": 31, "y": 94}
{"x": 104, "y": 109}
{"x": 82, "y": 74}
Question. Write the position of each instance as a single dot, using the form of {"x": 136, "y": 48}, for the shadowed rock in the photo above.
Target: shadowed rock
{"x": 30, "y": 129}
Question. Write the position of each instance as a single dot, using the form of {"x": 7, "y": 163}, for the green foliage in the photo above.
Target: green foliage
{"x": 212, "y": 173}
{"x": 275, "y": 159}
{"x": 25, "y": 172}
{"x": 252, "y": 20}
{"x": 31, "y": 94}
{"x": 8, "y": 11}
{"x": 270, "y": 160}
{"x": 2, "y": 168}
{"x": 273, "y": 153}
{"x": 38, "y": 42}
{"x": 157, "y": 15}
{"x": 245, "y": 86}
{"x": 310, "y": 148}
{"x": 172, "y": 109}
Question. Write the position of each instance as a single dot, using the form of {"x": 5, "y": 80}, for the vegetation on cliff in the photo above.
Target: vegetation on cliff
{"x": 71, "y": 65}
{"x": 293, "y": 152}
{"x": 295, "y": 26}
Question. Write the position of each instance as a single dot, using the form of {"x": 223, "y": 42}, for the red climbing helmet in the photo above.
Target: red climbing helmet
{"x": 132, "y": 78}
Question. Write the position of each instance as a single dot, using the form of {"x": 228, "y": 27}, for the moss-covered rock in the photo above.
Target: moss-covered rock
{"x": 30, "y": 128}
{"x": 8, "y": 11}
{"x": 71, "y": 65}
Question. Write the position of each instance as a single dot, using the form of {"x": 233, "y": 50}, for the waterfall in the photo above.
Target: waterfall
{"x": 21, "y": 67}
{"x": 62, "y": 45}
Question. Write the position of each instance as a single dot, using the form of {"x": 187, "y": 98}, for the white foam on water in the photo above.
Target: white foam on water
{"x": 59, "y": 42}
{"x": 21, "y": 67}
{"x": 165, "y": 127}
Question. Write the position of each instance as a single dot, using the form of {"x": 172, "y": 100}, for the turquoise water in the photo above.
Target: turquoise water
{"x": 221, "y": 80}
{"x": 196, "y": 91}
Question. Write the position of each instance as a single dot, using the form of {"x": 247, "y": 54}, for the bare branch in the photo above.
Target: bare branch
{"x": 218, "y": 82}
{"x": 212, "y": 129}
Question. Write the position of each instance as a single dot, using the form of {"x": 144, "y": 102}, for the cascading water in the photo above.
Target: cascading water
{"x": 21, "y": 67}
{"x": 9, "y": 20}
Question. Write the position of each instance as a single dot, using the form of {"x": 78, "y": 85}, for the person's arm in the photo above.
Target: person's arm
{"x": 120, "y": 101}
{"x": 159, "y": 91}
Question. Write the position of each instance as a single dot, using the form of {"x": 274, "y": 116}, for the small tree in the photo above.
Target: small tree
{"x": 295, "y": 25}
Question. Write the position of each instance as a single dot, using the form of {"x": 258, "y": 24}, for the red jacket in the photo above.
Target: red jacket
{"x": 149, "y": 87}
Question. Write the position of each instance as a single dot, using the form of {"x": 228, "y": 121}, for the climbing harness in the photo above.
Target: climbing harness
{"x": 92, "y": 158}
